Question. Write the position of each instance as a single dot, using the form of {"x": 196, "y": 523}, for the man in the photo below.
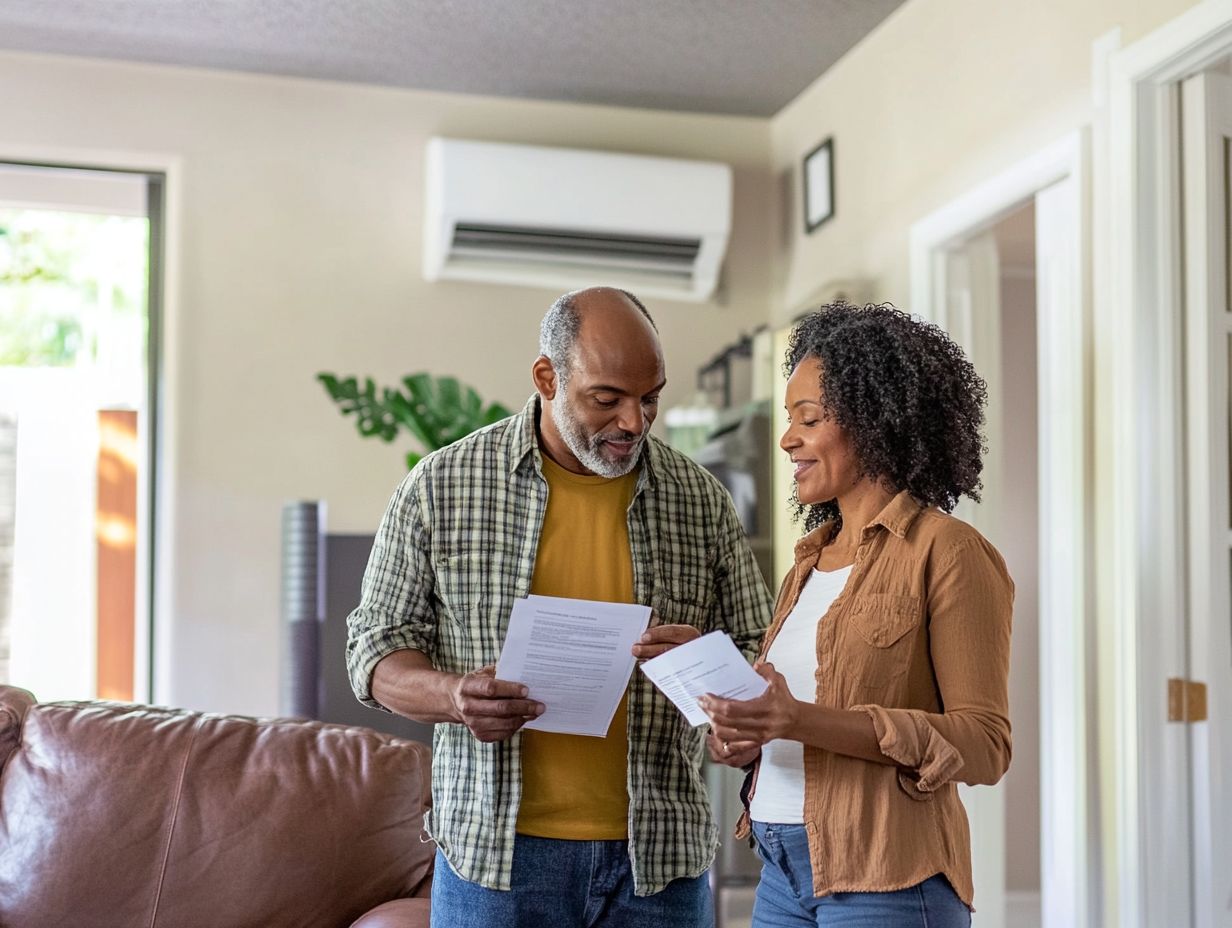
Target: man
{"x": 571, "y": 497}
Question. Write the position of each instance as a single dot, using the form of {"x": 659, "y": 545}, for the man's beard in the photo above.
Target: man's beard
{"x": 588, "y": 448}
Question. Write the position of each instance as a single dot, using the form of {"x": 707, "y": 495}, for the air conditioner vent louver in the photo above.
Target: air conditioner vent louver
{"x": 556, "y": 242}
{"x": 552, "y": 217}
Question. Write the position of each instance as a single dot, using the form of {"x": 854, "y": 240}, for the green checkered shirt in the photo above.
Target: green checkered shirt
{"x": 457, "y": 546}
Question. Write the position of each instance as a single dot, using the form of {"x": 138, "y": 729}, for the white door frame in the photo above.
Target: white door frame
{"x": 1068, "y": 869}
{"x": 1141, "y": 531}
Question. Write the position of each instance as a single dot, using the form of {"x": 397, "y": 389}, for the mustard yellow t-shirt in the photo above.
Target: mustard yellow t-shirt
{"x": 574, "y": 786}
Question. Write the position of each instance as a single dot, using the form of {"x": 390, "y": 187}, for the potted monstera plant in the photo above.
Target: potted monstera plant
{"x": 437, "y": 411}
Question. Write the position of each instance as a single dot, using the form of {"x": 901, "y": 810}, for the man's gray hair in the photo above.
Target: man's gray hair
{"x": 560, "y": 326}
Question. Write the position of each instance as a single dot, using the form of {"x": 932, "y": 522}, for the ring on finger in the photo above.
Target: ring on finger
{"x": 726, "y": 748}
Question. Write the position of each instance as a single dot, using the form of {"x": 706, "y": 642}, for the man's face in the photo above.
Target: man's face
{"x": 607, "y": 403}
{"x": 604, "y": 441}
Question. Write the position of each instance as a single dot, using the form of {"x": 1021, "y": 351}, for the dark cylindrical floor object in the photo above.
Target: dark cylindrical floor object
{"x": 303, "y": 527}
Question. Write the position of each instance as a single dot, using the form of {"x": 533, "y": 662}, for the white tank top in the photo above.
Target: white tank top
{"x": 780, "y": 781}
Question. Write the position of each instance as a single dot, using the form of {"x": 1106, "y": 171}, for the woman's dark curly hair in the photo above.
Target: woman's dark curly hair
{"x": 905, "y": 394}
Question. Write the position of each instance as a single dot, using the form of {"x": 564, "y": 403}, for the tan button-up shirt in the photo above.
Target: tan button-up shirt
{"x": 919, "y": 639}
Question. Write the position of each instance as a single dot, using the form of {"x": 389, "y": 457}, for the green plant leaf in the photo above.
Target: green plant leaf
{"x": 496, "y": 412}
{"x": 372, "y": 417}
{"x": 437, "y": 411}
{"x": 412, "y": 414}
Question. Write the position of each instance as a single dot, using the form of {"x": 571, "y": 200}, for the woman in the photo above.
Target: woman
{"x": 888, "y": 655}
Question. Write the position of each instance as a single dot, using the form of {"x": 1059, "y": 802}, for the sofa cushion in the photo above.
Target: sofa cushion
{"x": 114, "y": 814}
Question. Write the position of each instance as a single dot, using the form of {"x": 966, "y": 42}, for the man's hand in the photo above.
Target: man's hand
{"x": 492, "y": 709}
{"x": 662, "y": 638}
{"x": 732, "y": 753}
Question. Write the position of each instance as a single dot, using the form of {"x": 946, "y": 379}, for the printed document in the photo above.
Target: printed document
{"x": 575, "y": 656}
{"x": 709, "y": 664}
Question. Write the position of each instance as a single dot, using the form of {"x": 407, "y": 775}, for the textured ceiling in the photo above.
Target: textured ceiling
{"x": 747, "y": 57}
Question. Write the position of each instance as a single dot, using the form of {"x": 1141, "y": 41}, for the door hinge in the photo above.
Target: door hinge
{"x": 1186, "y": 700}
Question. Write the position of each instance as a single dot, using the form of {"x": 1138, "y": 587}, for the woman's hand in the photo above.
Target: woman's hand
{"x": 732, "y": 753}
{"x": 773, "y": 714}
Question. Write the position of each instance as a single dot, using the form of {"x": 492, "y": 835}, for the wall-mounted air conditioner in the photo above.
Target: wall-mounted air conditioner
{"x": 564, "y": 218}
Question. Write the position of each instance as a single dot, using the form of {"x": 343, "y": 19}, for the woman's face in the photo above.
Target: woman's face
{"x": 826, "y": 465}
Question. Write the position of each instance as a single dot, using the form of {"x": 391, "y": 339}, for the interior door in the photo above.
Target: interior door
{"x": 1206, "y": 144}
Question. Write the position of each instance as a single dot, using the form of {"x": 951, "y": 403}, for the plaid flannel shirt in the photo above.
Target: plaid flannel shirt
{"x": 454, "y": 550}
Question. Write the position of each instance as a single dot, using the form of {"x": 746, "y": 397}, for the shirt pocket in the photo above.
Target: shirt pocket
{"x": 463, "y": 585}
{"x": 879, "y": 650}
{"x": 674, "y": 610}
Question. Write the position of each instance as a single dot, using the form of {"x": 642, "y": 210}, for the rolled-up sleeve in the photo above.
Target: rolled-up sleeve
{"x": 970, "y": 608}
{"x": 395, "y": 609}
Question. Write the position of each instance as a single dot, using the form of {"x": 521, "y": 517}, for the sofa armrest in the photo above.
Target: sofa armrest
{"x": 14, "y": 703}
{"x": 400, "y": 913}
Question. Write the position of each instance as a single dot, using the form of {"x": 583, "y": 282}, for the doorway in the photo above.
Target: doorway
{"x": 991, "y": 296}
{"x": 80, "y": 260}
{"x": 1004, "y": 270}
{"x": 1018, "y": 454}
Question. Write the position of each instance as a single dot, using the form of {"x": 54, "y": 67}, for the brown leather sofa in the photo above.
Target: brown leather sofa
{"x": 124, "y": 815}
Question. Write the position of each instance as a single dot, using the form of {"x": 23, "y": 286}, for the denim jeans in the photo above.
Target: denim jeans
{"x": 785, "y": 894}
{"x": 568, "y": 884}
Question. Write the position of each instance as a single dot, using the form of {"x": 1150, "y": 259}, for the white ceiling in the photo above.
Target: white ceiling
{"x": 747, "y": 57}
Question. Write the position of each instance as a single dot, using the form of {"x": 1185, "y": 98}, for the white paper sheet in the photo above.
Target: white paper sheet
{"x": 709, "y": 664}
{"x": 575, "y": 656}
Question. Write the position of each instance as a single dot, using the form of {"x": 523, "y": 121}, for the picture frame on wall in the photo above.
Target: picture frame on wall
{"x": 819, "y": 186}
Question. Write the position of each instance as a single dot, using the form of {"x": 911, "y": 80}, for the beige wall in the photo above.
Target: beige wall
{"x": 944, "y": 94}
{"x": 298, "y": 234}
{"x": 298, "y": 237}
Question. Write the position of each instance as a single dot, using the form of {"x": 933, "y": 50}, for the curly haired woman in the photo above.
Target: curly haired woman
{"x": 888, "y": 655}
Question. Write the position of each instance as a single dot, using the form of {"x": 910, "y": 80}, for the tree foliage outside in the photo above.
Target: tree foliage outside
{"x": 71, "y": 285}
{"x": 437, "y": 411}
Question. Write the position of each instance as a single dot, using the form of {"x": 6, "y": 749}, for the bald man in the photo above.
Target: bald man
{"x": 570, "y": 497}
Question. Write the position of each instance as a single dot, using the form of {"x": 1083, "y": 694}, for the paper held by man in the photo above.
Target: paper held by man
{"x": 575, "y": 656}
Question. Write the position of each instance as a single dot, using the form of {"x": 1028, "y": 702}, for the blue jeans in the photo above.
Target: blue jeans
{"x": 568, "y": 884}
{"x": 785, "y": 894}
